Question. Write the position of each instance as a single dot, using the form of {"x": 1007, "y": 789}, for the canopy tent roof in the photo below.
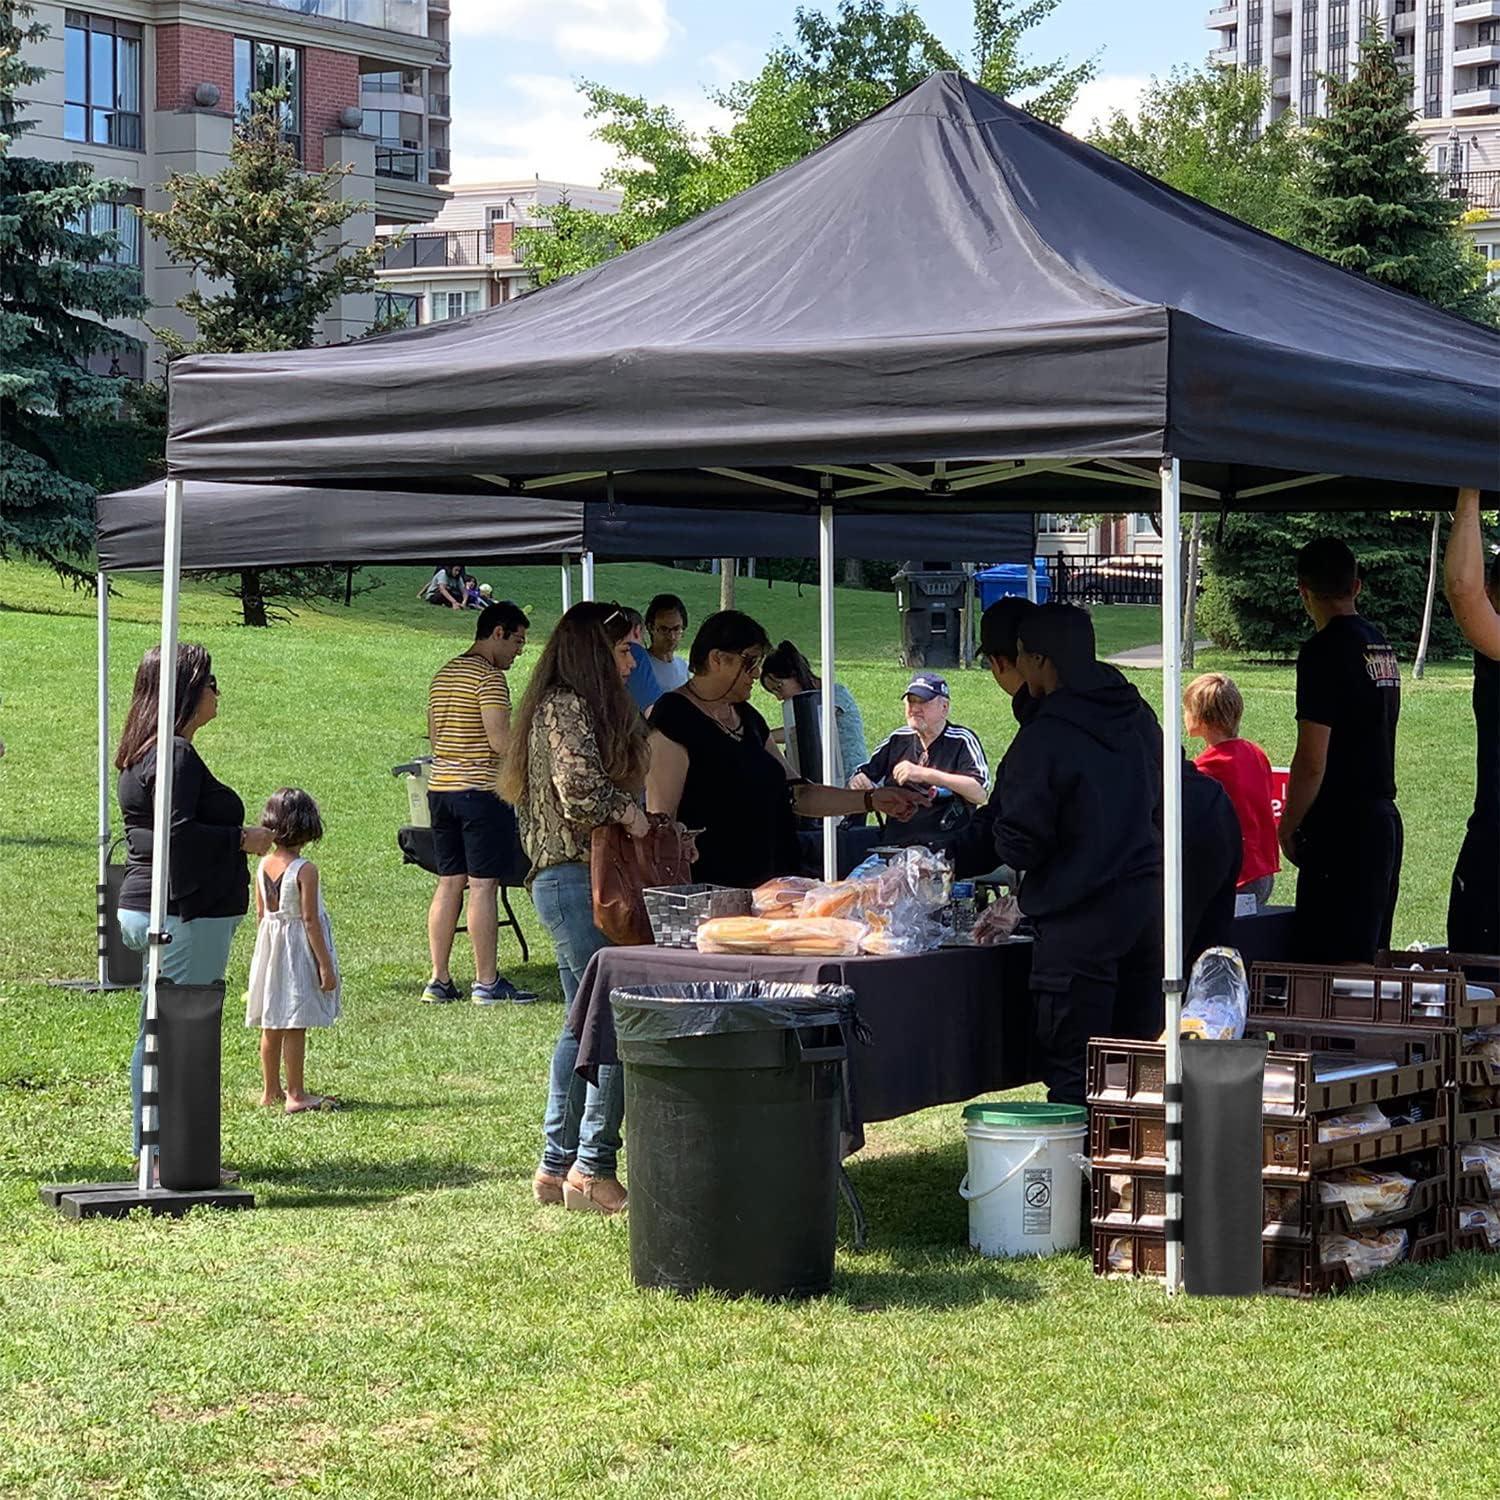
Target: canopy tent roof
{"x": 951, "y": 296}
{"x": 268, "y": 525}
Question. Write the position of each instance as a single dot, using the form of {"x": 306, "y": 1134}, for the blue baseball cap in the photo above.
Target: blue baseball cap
{"x": 926, "y": 686}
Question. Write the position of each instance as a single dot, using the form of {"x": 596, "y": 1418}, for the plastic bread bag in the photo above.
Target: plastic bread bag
{"x": 1218, "y": 997}
{"x": 1363, "y": 1254}
{"x": 998, "y": 921}
{"x": 1479, "y": 1218}
{"x": 801, "y": 938}
{"x": 1482, "y": 1156}
{"x": 1368, "y": 1119}
{"x": 781, "y": 897}
{"x": 906, "y": 929}
{"x": 1366, "y": 1194}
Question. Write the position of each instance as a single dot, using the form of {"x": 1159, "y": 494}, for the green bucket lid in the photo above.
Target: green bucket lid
{"x": 1033, "y": 1114}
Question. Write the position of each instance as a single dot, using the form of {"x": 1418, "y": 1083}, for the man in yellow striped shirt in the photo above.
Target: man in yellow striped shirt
{"x": 473, "y": 831}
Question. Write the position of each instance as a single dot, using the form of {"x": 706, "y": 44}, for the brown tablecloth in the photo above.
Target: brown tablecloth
{"x": 943, "y": 1026}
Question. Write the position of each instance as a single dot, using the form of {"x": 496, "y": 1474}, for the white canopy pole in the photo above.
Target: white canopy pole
{"x": 1031, "y": 579}
{"x": 588, "y": 576}
{"x": 161, "y": 832}
{"x": 567, "y": 585}
{"x": 1171, "y": 765}
{"x": 830, "y": 740}
{"x": 102, "y": 585}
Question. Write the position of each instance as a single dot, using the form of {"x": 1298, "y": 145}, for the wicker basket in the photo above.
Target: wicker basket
{"x": 677, "y": 911}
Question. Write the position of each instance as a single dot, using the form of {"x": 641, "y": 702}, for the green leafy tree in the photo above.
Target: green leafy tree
{"x": 833, "y": 72}
{"x": 1371, "y": 204}
{"x": 1199, "y": 131}
{"x": 57, "y": 419}
{"x": 267, "y": 237}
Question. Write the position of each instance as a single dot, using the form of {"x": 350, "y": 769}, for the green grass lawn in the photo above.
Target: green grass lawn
{"x": 398, "y": 1319}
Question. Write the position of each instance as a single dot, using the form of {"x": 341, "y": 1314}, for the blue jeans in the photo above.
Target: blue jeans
{"x": 582, "y": 1123}
{"x": 197, "y": 954}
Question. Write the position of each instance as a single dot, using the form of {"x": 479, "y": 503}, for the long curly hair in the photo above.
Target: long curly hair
{"x": 579, "y": 657}
{"x": 194, "y": 670}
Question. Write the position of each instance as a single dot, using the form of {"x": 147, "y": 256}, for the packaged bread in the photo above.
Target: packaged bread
{"x": 1480, "y": 1218}
{"x": 1366, "y": 1194}
{"x": 1363, "y": 1254}
{"x": 781, "y": 897}
{"x": 1482, "y": 1156}
{"x": 1366, "y": 1120}
{"x": 839, "y": 899}
{"x": 802, "y": 938}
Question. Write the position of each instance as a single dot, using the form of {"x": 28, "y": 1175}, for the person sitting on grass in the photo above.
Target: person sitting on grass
{"x": 1212, "y": 708}
{"x": 294, "y": 974}
{"x": 447, "y": 588}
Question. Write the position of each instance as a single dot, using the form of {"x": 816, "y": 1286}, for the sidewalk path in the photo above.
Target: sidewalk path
{"x": 1146, "y": 658}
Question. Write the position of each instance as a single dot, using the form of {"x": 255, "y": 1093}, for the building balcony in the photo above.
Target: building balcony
{"x": 1467, "y": 101}
{"x": 1281, "y": 7}
{"x": 440, "y": 106}
{"x": 1223, "y": 56}
{"x": 405, "y": 163}
{"x": 1475, "y": 56}
{"x": 1404, "y": 23}
{"x": 439, "y": 159}
{"x": 453, "y": 249}
{"x": 1281, "y": 46}
{"x": 1476, "y": 10}
{"x": 1476, "y": 189}
{"x": 1224, "y": 15}
{"x": 1281, "y": 85}
{"x": 406, "y": 16}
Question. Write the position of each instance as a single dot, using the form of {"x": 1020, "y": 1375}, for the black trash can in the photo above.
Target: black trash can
{"x": 733, "y": 1101}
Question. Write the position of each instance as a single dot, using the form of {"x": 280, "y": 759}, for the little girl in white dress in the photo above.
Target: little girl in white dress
{"x": 294, "y": 975}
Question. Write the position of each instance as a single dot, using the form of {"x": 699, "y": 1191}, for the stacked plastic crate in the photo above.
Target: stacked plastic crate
{"x": 1356, "y": 1172}
{"x": 1474, "y": 1099}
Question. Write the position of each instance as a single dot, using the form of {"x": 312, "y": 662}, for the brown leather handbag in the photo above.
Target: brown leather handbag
{"x": 621, "y": 866}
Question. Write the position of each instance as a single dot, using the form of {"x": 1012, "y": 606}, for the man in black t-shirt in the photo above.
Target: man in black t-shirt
{"x": 1340, "y": 826}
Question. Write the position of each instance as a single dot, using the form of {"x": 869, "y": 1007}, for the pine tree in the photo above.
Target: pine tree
{"x": 56, "y": 291}
{"x": 1371, "y": 204}
{"x": 268, "y": 236}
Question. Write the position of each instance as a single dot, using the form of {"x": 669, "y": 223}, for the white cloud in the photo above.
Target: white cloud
{"x": 623, "y": 31}
{"x": 1100, "y": 97}
{"x": 732, "y": 62}
{"x": 544, "y": 131}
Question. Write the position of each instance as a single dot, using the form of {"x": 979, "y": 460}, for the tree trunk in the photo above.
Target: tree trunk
{"x": 726, "y": 582}
{"x": 854, "y": 573}
{"x": 1420, "y": 665}
{"x": 252, "y": 601}
{"x": 1190, "y": 605}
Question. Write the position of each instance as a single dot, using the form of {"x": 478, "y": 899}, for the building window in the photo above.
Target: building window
{"x": 1490, "y": 253}
{"x": 445, "y": 305}
{"x": 120, "y": 219}
{"x": 1432, "y": 79}
{"x": 259, "y": 66}
{"x": 1048, "y": 524}
{"x": 1369, "y": 17}
{"x": 1308, "y": 100}
{"x": 1488, "y": 33}
{"x": 102, "y": 78}
{"x": 1488, "y": 76}
{"x": 1253, "y": 10}
{"x": 393, "y": 81}
{"x": 1141, "y": 525}
{"x": 398, "y": 309}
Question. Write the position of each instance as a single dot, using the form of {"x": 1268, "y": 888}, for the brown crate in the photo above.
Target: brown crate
{"x": 1294, "y": 1212}
{"x": 1124, "y": 1200}
{"x": 1133, "y": 1074}
{"x": 1425, "y": 999}
{"x": 1406, "y": 1047}
{"x": 1470, "y": 1239}
{"x": 1473, "y": 1124}
{"x": 1473, "y": 1186}
{"x": 1128, "y": 1137}
{"x": 1144, "y": 1254}
{"x": 1478, "y": 968}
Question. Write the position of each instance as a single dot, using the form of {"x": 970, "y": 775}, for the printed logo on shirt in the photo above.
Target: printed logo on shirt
{"x": 1380, "y": 663}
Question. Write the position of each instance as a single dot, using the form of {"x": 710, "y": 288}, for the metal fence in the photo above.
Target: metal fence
{"x": 1093, "y": 578}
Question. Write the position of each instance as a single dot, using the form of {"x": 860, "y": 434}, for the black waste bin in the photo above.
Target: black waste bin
{"x": 733, "y": 1101}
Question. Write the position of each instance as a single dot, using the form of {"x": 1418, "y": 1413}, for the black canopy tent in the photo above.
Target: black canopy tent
{"x": 950, "y": 303}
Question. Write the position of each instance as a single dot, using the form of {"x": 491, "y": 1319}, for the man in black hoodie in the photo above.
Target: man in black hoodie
{"x": 1080, "y": 787}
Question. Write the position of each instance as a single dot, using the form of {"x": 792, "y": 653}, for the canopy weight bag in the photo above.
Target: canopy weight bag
{"x": 734, "y": 1097}
{"x": 189, "y": 1019}
{"x": 1223, "y": 1086}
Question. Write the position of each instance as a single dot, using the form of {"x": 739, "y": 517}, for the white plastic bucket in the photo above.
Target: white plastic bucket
{"x": 1024, "y": 1186}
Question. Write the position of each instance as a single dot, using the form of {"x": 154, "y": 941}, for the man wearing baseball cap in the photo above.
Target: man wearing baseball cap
{"x": 934, "y": 755}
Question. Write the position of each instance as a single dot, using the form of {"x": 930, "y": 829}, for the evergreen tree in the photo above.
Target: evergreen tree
{"x": 268, "y": 237}
{"x": 56, "y": 290}
{"x": 1371, "y": 204}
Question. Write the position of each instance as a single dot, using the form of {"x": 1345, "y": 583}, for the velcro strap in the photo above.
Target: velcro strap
{"x": 1172, "y": 1182}
{"x": 1173, "y": 1235}
{"x": 1173, "y": 986}
{"x": 150, "y": 1099}
{"x": 160, "y": 939}
{"x": 151, "y": 1026}
{"x": 1171, "y": 1093}
{"x": 1174, "y": 1130}
{"x": 150, "y": 1137}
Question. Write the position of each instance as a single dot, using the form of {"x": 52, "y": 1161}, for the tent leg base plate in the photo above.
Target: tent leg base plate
{"x": 115, "y": 1200}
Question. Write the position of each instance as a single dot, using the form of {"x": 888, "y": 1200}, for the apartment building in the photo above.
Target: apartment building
{"x": 465, "y": 259}
{"x": 1449, "y": 50}
{"x": 143, "y": 88}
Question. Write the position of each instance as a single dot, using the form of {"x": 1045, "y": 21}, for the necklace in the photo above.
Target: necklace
{"x": 735, "y": 729}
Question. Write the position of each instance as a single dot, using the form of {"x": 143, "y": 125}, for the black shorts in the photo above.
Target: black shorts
{"x": 1348, "y": 878}
{"x": 474, "y": 834}
{"x": 1474, "y": 901}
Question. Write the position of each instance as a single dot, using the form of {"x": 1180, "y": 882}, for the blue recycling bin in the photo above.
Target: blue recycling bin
{"x": 1008, "y": 581}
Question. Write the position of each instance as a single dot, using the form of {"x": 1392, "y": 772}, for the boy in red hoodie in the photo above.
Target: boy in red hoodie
{"x": 1211, "y": 711}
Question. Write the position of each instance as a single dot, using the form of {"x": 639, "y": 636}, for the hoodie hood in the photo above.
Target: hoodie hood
{"x": 1104, "y": 706}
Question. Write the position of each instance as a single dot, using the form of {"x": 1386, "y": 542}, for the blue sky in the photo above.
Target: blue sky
{"x": 516, "y": 64}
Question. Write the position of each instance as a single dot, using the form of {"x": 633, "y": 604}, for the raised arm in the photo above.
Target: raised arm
{"x": 1463, "y": 579}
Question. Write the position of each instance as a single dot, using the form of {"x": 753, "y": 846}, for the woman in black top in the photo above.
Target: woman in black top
{"x": 1474, "y": 902}
{"x": 713, "y": 766}
{"x": 208, "y": 881}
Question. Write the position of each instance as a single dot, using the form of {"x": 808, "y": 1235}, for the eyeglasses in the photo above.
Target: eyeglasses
{"x": 751, "y": 662}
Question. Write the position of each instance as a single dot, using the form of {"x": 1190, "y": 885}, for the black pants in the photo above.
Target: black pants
{"x": 1474, "y": 901}
{"x": 1348, "y": 878}
{"x": 1104, "y": 982}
